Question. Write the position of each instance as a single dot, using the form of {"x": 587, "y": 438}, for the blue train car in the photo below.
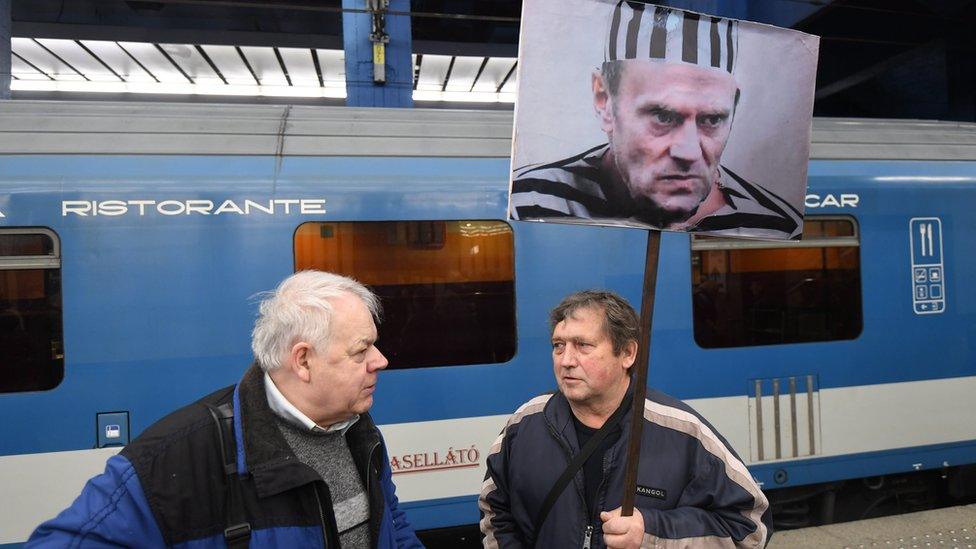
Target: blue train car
{"x": 133, "y": 238}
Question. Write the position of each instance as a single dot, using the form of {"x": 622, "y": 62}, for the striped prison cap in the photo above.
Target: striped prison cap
{"x": 644, "y": 31}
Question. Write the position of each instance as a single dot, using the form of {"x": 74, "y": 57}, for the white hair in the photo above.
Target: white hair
{"x": 299, "y": 310}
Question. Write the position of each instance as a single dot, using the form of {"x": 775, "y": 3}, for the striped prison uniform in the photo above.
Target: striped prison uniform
{"x": 577, "y": 189}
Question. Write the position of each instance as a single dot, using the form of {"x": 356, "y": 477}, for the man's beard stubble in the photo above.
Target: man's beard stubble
{"x": 647, "y": 211}
{"x": 642, "y": 208}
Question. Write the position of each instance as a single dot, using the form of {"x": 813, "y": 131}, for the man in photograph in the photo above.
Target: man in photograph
{"x": 692, "y": 488}
{"x": 666, "y": 98}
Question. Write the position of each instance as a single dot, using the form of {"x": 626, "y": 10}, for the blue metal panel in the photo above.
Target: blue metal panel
{"x": 361, "y": 91}
{"x": 440, "y": 513}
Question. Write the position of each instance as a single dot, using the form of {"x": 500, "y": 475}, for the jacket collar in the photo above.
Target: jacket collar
{"x": 284, "y": 409}
{"x": 263, "y": 452}
{"x": 559, "y": 416}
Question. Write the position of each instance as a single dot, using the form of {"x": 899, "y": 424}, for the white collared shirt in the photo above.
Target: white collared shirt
{"x": 287, "y": 411}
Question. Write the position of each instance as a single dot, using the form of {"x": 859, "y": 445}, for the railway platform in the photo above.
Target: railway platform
{"x": 949, "y": 527}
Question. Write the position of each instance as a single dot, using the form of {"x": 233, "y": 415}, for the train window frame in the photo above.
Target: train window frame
{"x": 40, "y": 262}
{"x": 703, "y": 243}
{"x": 420, "y": 239}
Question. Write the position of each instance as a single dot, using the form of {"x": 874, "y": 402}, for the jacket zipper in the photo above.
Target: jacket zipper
{"x": 596, "y": 507}
{"x": 369, "y": 480}
{"x": 587, "y": 535}
{"x": 318, "y": 501}
{"x": 369, "y": 466}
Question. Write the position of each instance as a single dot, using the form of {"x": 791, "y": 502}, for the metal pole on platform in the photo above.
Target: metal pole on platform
{"x": 5, "y": 26}
{"x": 377, "y": 41}
{"x": 639, "y": 377}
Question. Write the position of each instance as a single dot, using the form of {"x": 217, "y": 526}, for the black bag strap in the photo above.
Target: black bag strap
{"x": 574, "y": 466}
{"x": 237, "y": 531}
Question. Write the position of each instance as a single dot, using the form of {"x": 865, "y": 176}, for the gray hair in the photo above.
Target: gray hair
{"x": 620, "y": 321}
{"x": 299, "y": 310}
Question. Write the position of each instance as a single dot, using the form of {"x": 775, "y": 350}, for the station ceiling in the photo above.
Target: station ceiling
{"x": 243, "y": 48}
{"x": 112, "y": 66}
{"x": 880, "y": 58}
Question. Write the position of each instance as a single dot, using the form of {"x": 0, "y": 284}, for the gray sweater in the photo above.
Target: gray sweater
{"x": 328, "y": 454}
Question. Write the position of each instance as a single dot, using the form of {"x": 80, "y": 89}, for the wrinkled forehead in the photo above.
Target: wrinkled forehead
{"x": 659, "y": 72}
{"x": 586, "y": 316}
{"x": 639, "y": 31}
{"x": 676, "y": 82}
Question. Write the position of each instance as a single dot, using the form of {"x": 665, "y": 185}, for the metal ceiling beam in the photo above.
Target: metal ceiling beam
{"x": 67, "y": 31}
{"x": 465, "y": 49}
{"x": 175, "y": 36}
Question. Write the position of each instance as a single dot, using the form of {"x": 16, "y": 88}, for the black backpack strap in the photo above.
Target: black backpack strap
{"x": 574, "y": 466}
{"x": 237, "y": 531}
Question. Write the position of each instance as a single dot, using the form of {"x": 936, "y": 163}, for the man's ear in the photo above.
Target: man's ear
{"x": 602, "y": 102}
{"x": 735, "y": 105}
{"x": 629, "y": 353}
{"x": 299, "y": 355}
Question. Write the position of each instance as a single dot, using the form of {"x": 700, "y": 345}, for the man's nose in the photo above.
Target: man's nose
{"x": 686, "y": 142}
{"x": 378, "y": 361}
{"x": 567, "y": 358}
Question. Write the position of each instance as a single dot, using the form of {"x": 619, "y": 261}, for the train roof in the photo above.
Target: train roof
{"x": 83, "y": 127}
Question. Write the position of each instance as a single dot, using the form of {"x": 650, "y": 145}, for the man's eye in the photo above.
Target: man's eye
{"x": 711, "y": 120}
{"x": 664, "y": 117}
{"x": 558, "y": 345}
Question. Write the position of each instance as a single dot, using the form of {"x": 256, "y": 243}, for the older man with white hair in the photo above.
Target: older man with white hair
{"x": 288, "y": 457}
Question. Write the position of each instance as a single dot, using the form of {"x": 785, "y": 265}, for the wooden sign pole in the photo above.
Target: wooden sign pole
{"x": 639, "y": 376}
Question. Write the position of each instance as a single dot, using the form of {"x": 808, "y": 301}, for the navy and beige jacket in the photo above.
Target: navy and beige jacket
{"x": 168, "y": 487}
{"x": 692, "y": 489}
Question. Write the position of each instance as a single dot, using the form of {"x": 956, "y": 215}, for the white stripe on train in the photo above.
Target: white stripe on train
{"x": 852, "y": 420}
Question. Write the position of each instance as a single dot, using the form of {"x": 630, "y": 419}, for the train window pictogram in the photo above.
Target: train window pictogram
{"x": 447, "y": 287}
{"x": 31, "y": 342}
{"x": 748, "y": 292}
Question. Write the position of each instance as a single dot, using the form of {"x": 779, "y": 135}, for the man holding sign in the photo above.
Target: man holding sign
{"x": 692, "y": 488}
{"x": 567, "y": 470}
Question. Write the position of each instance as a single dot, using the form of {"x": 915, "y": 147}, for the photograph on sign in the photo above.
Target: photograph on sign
{"x": 630, "y": 114}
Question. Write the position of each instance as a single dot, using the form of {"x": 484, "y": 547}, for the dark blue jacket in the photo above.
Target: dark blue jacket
{"x": 168, "y": 487}
{"x": 692, "y": 489}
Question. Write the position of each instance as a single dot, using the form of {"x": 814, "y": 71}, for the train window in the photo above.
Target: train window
{"x": 31, "y": 344}
{"x": 447, "y": 287}
{"x": 748, "y": 293}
